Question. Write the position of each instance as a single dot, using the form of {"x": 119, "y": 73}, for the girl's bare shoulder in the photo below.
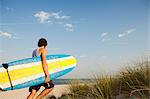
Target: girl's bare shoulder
{"x": 42, "y": 50}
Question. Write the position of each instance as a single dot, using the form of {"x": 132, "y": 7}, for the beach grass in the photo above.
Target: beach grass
{"x": 133, "y": 81}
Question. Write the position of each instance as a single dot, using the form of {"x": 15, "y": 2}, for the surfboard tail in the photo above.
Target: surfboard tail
{"x": 1, "y": 88}
{"x": 5, "y": 65}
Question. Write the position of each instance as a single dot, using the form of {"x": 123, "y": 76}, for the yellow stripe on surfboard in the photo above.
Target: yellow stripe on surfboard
{"x": 26, "y": 72}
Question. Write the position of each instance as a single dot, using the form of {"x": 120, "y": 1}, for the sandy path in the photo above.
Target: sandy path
{"x": 23, "y": 93}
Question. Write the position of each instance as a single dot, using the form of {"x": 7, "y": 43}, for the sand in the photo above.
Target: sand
{"x": 23, "y": 93}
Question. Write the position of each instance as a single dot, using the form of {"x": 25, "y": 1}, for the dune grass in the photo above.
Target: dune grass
{"x": 132, "y": 82}
{"x": 136, "y": 80}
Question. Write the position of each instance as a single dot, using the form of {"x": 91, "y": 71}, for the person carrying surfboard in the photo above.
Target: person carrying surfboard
{"x": 41, "y": 51}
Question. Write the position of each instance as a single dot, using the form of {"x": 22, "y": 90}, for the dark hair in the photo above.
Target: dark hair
{"x": 42, "y": 42}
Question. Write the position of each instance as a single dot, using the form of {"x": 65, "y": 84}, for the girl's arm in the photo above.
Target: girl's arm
{"x": 45, "y": 65}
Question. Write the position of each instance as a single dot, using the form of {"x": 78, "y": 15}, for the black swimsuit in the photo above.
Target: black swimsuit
{"x": 48, "y": 85}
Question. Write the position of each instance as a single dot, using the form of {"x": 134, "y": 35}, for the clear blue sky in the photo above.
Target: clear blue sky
{"x": 102, "y": 34}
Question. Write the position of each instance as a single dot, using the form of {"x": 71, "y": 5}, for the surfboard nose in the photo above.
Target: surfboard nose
{"x": 75, "y": 59}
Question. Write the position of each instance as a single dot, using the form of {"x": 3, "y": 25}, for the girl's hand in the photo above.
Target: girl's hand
{"x": 47, "y": 79}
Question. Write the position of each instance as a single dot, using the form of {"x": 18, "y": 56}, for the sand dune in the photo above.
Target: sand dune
{"x": 23, "y": 93}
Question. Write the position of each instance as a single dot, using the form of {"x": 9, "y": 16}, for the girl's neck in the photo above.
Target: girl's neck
{"x": 42, "y": 47}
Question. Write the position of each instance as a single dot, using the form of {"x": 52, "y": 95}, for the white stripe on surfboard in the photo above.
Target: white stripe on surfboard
{"x": 26, "y": 79}
{"x": 33, "y": 64}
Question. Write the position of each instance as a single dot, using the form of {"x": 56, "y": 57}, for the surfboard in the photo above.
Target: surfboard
{"x": 28, "y": 72}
